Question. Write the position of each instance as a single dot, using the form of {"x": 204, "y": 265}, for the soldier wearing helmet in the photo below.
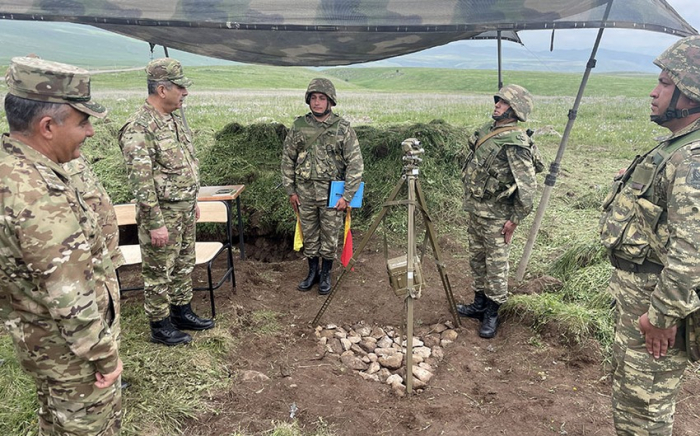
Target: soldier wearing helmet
{"x": 499, "y": 181}
{"x": 650, "y": 226}
{"x": 320, "y": 147}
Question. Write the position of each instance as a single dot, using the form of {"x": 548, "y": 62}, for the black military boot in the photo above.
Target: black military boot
{"x": 490, "y": 321}
{"x": 313, "y": 276}
{"x": 476, "y": 309}
{"x": 324, "y": 285}
{"x": 184, "y": 319}
{"x": 163, "y": 332}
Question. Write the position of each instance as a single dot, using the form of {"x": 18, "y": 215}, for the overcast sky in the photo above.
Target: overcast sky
{"x": 652, "y": 43}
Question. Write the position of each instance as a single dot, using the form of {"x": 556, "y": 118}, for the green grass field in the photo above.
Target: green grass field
{"x": 383, "y": 104}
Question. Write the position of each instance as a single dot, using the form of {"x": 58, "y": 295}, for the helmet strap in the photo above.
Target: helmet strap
{"x": 509, "y": 113}
{"x": 671, "y": 112}
{"x": 324, "y": 113}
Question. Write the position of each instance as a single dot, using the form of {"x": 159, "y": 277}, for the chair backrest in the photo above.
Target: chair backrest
{"x": 126, "y": 214}
{"x": 212, "y": 212}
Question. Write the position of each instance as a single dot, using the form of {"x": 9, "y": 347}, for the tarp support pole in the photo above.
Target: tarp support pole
{"x": 500, "y": 68}
{"x": 551, "y": 178}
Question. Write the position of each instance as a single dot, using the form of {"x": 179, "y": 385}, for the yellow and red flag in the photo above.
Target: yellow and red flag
{"x": 346, "y": 255}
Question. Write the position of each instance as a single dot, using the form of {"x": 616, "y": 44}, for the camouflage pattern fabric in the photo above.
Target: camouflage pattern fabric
{"x": 682, "y": 63}
{"x": 488, "y": 257}
{"x": 663, "y": 207}
{"x": 499, "y": 178}
{"x": 77, "y": 408}
{"x": 167, "y": 270}
{"x": 95, "y": 195}
{"x": 519, "y": 99}
{"x": 52, "y": 82}
{"x": 652, "y": 217}
{"x": 320, "y": 226}
{"x": 644, "y": 388}
{"x": 308, "y": 168}
{"x": 160, "y": 162}
{"x": 59, "y": 298}
{"x": 167, "y": 69}
{"x": 164, "y": 173}
{"x": 499, "y": 183}
{"x": 324, "y": 86}
{"x": 339, "y": 32}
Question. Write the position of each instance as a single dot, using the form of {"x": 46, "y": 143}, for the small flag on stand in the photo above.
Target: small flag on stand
{"x": 346, "y": 255}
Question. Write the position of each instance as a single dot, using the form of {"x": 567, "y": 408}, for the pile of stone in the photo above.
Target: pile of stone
{"x": 378, "y": 353}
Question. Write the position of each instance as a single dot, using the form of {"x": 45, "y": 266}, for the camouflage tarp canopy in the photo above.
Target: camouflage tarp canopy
{"x": 337, "y": 32}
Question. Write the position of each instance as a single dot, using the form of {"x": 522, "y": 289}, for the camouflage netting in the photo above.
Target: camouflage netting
{"x": 251, "y": 155}
{"x": 337, "y": 32}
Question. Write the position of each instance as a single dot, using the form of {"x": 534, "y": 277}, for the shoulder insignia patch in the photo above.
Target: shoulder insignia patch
{"x": 694, "y": 175}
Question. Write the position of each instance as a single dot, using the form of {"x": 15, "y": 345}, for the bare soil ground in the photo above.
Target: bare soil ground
{"x": 519, "y": 383}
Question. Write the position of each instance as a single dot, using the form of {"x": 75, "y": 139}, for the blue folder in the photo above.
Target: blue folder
{"x": 337, "y": 189}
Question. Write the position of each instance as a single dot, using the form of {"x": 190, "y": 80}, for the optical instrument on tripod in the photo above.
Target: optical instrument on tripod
{"x": 405, "y": 274}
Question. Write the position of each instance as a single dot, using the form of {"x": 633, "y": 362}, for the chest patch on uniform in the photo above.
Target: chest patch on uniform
{"x": 694, "y": 175}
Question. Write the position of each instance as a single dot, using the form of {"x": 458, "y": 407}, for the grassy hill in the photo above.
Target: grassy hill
{"x": 387, "y": 80}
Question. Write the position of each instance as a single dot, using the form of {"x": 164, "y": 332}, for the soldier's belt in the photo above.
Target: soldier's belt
{"x": 647, "y": 266}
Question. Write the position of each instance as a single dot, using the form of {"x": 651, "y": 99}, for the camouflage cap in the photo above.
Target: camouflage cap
{"x": 519, "y": 99}
{"x": 53, "y": 82}
{"x": 167, "y": 69}
{"x": 682, "y": 63}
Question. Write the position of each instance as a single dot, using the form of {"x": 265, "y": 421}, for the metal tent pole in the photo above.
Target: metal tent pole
{"x": 551, "y": 178}
{"x": 500, "y": 59}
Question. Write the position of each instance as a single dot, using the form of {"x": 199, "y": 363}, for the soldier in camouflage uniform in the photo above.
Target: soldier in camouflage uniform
{"x": 650, "y": 227}
{"x": 320, "y": 147}
{"x": 59, "y": 298}
{"x": 164, "y": 174}
{"x": 96, "y": 196}
{"x": 500, "y": 184}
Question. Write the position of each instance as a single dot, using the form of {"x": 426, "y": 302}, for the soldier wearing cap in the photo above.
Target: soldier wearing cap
{"x": 320, "y": 147}
{"x": 59, "y": 298}
{"x": 164, "y": 174}
{"x": 650, "y": 226}
{"x": 499, "y": 183}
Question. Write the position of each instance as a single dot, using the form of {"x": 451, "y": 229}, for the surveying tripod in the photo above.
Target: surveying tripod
{"x": 416, "y": 199}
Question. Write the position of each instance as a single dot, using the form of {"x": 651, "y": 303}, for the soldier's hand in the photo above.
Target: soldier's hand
{"x": 341, "y": 205}
{"x": 294, "y": 200}
{"x": 159, "y": 237}
{"x": 197, "y": 213}
{"x": 658, "y": 341}
{"x": 508, "y": 230}
{"x": 107, "y": 380}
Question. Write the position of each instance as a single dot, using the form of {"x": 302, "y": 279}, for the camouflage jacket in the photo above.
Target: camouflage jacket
{"x": 59, "y": 297}
{"x": 652, "y": 214}
{"x": 95, "y": 195}
{"x": 333, "y": 154}
{"x": 160, "y": 162}
{"x": 499, "y": 176}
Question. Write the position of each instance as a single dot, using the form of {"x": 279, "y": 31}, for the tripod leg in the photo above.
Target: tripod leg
{"x": 365, "y": 240}
{"x": 432, "y": 235}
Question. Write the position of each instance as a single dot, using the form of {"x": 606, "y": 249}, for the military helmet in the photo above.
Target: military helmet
{"x": 682, "y": 63}
{"x": 324, "y": 86}
{"x": 519, "y": 99}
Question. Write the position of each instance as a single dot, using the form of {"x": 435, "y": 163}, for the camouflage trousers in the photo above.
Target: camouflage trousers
{"x": 644, "y": 389}
{"x": 488, "y": 257}
{"x": 167, "y": 270}
{"x": 320, "y": 226}
{"x": 78, "y": 408}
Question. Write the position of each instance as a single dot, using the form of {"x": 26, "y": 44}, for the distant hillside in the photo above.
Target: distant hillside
{"x": 95, "y": 48}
